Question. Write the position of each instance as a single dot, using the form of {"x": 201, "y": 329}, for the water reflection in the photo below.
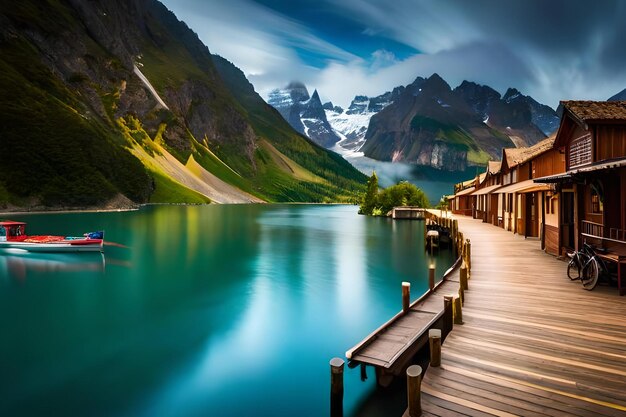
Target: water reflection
{"x": 19, "y": 264}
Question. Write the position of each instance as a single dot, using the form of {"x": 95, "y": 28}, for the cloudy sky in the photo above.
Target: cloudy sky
{"x": 552, "y": 50}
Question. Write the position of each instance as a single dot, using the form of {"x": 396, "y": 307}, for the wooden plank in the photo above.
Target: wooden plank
{"x": 534, "y": 342}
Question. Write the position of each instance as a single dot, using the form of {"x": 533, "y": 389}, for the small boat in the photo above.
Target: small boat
{"x": 13, "y": 236}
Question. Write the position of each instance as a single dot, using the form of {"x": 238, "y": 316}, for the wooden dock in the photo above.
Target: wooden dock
{"x": 533, "y": 343}
{"x": 408, "y": 212}
{"x": 391, "y": 347}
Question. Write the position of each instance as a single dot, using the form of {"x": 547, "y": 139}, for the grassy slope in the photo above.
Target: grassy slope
{"x": 62, "y": 155}
{"x": 340, "y": 178}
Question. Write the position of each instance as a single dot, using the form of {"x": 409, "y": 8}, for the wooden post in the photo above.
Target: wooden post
{"x": 463, "y": 278}
{"x": 434, "y": 340}
{"x": 458, "y": 313}
{"x": 406, "y": 296}
{"x": 448, "y": 315}
{"x": 336, "y": 387}
{"x": 462, "y": 296}
{"x": 469, "y": 254}
{"x": 413, "y": 385}
{"x": 431, "y": 277}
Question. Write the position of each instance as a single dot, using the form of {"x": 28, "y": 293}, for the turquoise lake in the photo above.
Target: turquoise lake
{"x": 202, "y": 310}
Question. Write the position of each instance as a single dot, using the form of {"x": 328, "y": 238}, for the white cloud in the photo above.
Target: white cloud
{"x": 520, "y": 44}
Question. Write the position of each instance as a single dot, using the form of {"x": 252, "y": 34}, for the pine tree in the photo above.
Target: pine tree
{"x": 370, "y": 200}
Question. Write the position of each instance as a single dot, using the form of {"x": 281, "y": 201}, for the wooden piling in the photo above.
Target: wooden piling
{"x": 413, "y": 385}
{"x": 336, "y": 387}
{"x": 463, "y": 278}
{"x": 431, "y": 277}
{"x": 434, "y": 340}
{"x": 457, "y": 311}
{"x": 469, "y": 254}
{"x": 406, "y": 296}
{"x": 448, "y": 315}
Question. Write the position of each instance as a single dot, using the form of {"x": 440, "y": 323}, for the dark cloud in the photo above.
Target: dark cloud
{"x": 550, "y": 49}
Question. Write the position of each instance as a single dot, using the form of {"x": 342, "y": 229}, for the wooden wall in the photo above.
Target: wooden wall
{"x": 610, "y": 142}
{"x": 549, "y": 163}
{"x": 552, "y": 239}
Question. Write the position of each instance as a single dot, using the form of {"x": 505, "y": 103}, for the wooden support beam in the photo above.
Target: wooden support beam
{"x": 336, "y": 387}
{"x": 469, "y": 253}
{"x": 406, "y": 296}
{"x": 463, "y": 278}
{"x": 431, "y": 278}
{"x": 448, "y": 315}
{"x": 434, "y": 341}
{"x": 414, "y": 387}
{"x": 457, "y": 311}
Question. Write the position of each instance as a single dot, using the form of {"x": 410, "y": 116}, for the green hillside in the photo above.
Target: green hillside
{"x": 74, "y": 114}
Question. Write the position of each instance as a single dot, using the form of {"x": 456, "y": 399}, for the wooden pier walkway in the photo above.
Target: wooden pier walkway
{"x": 391, "y": 347}
{"x": 533, "y": 343}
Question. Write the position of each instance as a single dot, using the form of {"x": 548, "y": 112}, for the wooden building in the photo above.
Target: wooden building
{"x": 462, "y": 201}
{"x": 522, "y": 200}
{"x": 592, "y": 137}
{"x": 486, "y": 200}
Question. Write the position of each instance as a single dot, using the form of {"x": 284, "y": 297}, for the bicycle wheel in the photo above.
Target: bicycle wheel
{"x": 573, "y": 270}
{"x": 591, "y": 273}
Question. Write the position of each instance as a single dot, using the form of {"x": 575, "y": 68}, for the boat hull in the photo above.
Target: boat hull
{"x": 60, "y": 247}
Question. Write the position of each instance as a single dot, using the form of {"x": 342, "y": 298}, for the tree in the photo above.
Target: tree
{"x": 402, "y": 194}
{"x": 370, "y": 200}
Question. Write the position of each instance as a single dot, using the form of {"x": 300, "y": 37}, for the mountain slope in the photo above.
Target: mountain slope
{"x": 304, "y": 113}
{"x": 431, "y": 124}
{"x": 94, "y": 94}
{"x": 352, "y": 123}
{"x": 621, "y": 96}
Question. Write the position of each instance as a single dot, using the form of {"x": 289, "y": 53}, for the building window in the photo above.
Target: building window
{"x": 597, "y": 206}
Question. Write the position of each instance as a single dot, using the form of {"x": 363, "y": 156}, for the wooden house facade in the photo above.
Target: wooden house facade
{"x": 567, "y": 189}
{"x": 592, "y": 138}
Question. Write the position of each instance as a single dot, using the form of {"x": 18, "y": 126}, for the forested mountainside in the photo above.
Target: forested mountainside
{"x": 114, "y": 102}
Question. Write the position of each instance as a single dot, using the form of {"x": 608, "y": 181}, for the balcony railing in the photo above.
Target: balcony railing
{"x": 593, "y": 229}
{"x": 597, "y": 230}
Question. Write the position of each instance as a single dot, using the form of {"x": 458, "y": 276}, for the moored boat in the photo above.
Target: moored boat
{"x": 13, "y": 236}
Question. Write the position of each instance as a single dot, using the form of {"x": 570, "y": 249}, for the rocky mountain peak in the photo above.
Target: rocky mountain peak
{"x": 511, "y": 94}
{"x": 435, "y": 82}
{"x": 619, "y": 96}
{"x": 297, "y": 91}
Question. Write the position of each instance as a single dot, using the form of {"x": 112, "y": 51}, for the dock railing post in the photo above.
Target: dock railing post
{"x": 469, "y": 255}
{"x": 406, "y": 296}
{"x": 463, "y": 278}
{"x": 434, "y": 341}
{"x": 431, "y": 278}
{"x": 458, "y": 312}
{"x": 336, "y": 387}
{"x": 413, "y": 386}
{"x": 447, "y": 315}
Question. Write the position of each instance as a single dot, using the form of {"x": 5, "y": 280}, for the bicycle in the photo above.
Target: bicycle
{"x": 587, "y": 265}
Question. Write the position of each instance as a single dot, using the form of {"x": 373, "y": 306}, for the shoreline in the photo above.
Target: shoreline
{"x": 65, "y": 210}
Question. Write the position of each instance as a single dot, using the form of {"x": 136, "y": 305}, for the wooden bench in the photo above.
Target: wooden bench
{"x": 619, "y": 260}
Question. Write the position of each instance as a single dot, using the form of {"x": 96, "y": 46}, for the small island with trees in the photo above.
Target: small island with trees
{"x": 377, "y": 202}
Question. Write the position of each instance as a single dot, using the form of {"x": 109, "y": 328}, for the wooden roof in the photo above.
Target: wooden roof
{"x": 517, "y": 156}
{"x": 493, "y": 167}
{"x": 590, "y": 111}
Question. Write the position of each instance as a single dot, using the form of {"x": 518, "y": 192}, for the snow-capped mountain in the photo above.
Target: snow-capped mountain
{"x": 351, "y": 124}
{"x": 431, "y": 124}
{"x": 304, "y": 113}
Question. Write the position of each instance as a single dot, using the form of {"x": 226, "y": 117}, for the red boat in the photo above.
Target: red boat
{"x": 13, "y": 236}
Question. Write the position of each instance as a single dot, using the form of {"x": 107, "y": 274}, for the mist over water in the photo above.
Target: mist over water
{"x": 433, "y": 182}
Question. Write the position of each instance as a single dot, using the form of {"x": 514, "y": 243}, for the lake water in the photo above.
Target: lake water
{"x": 201, "y": 310}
